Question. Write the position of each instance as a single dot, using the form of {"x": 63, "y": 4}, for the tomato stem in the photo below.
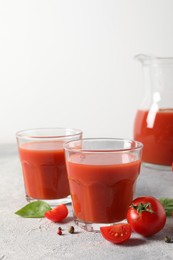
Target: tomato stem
{"x": 143, "y": 207}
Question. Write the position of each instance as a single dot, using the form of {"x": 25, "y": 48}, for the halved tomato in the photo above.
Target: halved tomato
{"x": 58, "y": 213}
{"x": 118, "y": 233}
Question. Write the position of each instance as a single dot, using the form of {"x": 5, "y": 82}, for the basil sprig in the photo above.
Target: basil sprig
{"x": 168, "y": 205}
{"x": 34, "y": 209}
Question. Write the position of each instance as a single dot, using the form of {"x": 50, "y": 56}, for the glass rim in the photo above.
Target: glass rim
{"x": 139, "y": 146}
{"x": 154, "y": 60}
{"x": 25, "y": 133}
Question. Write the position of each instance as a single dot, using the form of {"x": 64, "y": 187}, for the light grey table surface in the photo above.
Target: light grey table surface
{"x": 22, "y": 238}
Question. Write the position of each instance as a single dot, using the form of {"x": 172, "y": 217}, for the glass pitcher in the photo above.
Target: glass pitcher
{"x": 153, "y": 124}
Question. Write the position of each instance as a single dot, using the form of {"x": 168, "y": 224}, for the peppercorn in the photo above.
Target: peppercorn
{"x": 168, "y": 239}
{"x": 71, "y": 229}
{"x": 59, "y": 231}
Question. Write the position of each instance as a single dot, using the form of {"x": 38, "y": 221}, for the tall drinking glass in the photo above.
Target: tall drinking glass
{"x": 43, "y": 163}
{"x": 102, "y": 175}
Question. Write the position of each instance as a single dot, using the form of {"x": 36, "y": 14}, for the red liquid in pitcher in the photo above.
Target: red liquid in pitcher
{"x": 101, "y": 190}
{"x": 44, "y": 170}
{"x": 155, "y": 131}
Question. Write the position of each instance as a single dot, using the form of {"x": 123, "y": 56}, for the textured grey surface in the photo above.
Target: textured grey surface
{"x": 37, "y": 239}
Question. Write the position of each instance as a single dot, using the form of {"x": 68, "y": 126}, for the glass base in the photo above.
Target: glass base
{"x": 157, "y": 166}
{"x": 93, "y": 227}
{"x": 53, "y": 202}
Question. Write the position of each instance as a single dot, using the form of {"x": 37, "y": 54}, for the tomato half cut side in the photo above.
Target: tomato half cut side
{"x": 117, "y": 234}
{"x": 57, "y": 214}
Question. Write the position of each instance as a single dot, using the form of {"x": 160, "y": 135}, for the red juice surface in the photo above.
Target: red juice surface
{"x": 101, "y": 191}
{"x": 44, "y": 170}
{"x": 155, "y": 131}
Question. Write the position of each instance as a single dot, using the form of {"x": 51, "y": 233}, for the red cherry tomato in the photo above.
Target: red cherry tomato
{"x": 58, "y": 213}
{"x": 117, "y": 234}
{"x": 146, "y": 216}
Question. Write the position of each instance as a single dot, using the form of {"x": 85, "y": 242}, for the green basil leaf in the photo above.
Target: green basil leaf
{"x": 168, "y": 205}
{"x": 34, "y": 209}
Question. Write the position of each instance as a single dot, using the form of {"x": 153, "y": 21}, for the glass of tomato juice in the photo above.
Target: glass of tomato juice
{"x": 102, "y": 174}
{"x": 42, "y": 158}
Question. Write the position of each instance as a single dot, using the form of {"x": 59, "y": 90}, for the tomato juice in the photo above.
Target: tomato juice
{"x": 155, "y": 131}
{"x": 102, "y": 189}
{"x": 44, "y": 169}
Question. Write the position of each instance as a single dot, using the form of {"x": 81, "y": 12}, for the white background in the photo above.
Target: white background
{"x": 70, "y": 63}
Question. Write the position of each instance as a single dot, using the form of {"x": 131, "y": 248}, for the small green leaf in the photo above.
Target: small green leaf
{"x": 34, "y": 209}
{"x": 168, "y": 205}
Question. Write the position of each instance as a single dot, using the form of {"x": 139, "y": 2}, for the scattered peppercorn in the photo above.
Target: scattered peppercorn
{"x": 71, "y": 229}
{"x": 168, "y": 239}
{"x": 59, "y": 231}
